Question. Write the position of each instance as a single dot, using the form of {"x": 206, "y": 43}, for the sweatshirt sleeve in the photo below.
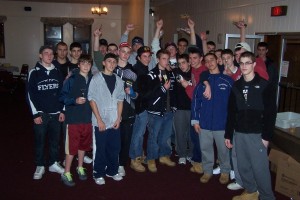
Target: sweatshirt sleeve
{"x": 65, "y": 97}
{"x": 269, "y": 113}
{"x": 196, "y": 104}
{"x": 32, "y": 90}
{"x": 231, "y": 111}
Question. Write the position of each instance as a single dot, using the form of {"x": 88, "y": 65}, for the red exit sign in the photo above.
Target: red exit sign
{"x": 278, "y": 11}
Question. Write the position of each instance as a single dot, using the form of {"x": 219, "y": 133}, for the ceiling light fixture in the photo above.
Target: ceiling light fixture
{"x": 99, "y": 10}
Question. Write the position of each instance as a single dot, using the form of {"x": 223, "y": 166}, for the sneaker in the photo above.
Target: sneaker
{"x": 246, "y": 196}
{"x": 234, "y": 186}
{"x": 116, "y": 177}
{"x": 67, "y": 179}
{"x": 182, "y": 161}
{"x": 205, "y": 178}
{"x": 39, "y": 171}
{"x": 136, "y": 165}
{"x": 121, "y": 171}
{"x": 217, "y": 170}
{"x": 167, "y": 161}
{"x": 81, "y": 173}
{"x": 100, "y": 181}
{"x": 87, "y": 160}
{"x": 232, "y": 175}
{"x": 224, "y": 178}
{"x": 152, "y": 166}
{"x": 56, "y": 168}
{"x": 189, "y": 159}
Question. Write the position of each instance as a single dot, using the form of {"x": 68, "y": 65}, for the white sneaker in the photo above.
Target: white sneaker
{"x": 100, "y": 181}
{"x": 189, "y": 159}
{"x": 56, "y": 168}
{"x": 121, "y": 171}
{"x": 217, "y": 170}
{"x": 234, "y": 186}
{"x": 87, "y": 160}
{"x": 38, "y": 174}
{"x": 232, "y": 175}
{"x": 182, "y": 161}
{"x": 116, "y": 177}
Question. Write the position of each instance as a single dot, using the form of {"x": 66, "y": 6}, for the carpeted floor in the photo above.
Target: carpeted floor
{"x": 17, "y": 169}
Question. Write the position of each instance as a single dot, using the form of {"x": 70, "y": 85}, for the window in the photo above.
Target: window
{"x": 82, "y": 34}
{"x": 2, "y": 46}
{"x": 52, "y": 35}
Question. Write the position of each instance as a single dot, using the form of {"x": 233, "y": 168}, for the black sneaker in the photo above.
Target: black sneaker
{"x": 81, "y": 173}
{"x": 67, "y": 179}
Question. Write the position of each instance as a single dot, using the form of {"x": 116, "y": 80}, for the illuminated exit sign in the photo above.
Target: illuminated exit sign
{"x": 278, "y": 11}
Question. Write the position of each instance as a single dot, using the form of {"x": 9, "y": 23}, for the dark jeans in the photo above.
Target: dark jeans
{"x": 52, "y": 127}
{"x": 126, "y": 128}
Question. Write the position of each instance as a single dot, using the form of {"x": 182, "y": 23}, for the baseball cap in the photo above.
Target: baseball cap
{"x": 103, "y": 42}
{"x": 142, "y": 50}
{"x": 170, "y": 44}
{"x": 137, "y": 40}
{"x": 243, "y": 45}
{"x": 124, "y": 44}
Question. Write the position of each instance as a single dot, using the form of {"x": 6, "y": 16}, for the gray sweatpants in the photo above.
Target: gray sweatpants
{"x": 253, "y": 164}
{"x": 207, "y": 138}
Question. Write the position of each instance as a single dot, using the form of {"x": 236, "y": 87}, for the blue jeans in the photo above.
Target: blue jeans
{"x": 139, "y": 128}
{"x": 197, "y": 157}
{"x": 106, "y": 151}
{"x": 52, "y": 127}
{"x": 160, "y": 131}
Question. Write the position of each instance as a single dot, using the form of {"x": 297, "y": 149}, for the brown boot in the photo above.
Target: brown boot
{"x": 152, "y": 166}
{"x": 196, "y": 168}
{"x": 136, "y": 165}
{"x": 224, "y": 178}
{"x": 165, "y": 160}
{"x": 246, "y": 196}
{"x": 205, "y": 178}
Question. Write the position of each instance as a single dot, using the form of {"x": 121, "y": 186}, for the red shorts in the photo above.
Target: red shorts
{"x": 78, "y": 137}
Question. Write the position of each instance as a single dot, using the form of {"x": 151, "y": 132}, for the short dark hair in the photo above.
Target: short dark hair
{"x": 42, "y": 48}
{"x": 60, "y": 44}
{"x": 75, "y": 45}
{"x": 162, "y": 51}
{"x": 227, "y": 51}
{"x": 248, "y": 54}
{"x": 263, "y": 44}
{"x": 195, "y": 50}
{"x": 182, "y": 40}
{"x": 183, "y": 56}
{"x": 85, "y": 58}
{"x": 113, "y": 44}
{"x": 210, "y": 54}
{"x": 110, "y": 55}
{"x": 211, "y": 43}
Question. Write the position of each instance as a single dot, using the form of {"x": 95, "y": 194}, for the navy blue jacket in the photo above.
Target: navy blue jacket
{"x": 76, "y": 86}
{"x": 212, "y": 114}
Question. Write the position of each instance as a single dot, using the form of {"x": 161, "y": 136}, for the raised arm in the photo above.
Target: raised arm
{"x": 191, "y": 25}
{"x": 97, "y": 35}
{"x": 155, "y": 42}
{"x": 98, "y": 56}
{"x": 242, "y": 26}
{"x": 124, "y": 37}
{"x": 204, "y": 42}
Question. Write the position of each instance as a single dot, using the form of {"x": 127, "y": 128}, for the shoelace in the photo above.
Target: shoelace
{"x": 81, "y": 170}
{"x": 68, "y": 175}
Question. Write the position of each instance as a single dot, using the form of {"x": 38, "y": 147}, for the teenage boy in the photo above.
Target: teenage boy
{"x": 161, "y": 105}
{"x": 61, "y": 61}
{"x": 209, "y": 119}
{"x": 106, "y": 95}
{"x": 123, "y": 70}
{"x": 251, "y": 118}
{"x": 229, "y": 68}
{"x": 182, "y": 117}
{"x": 44, "y": 86}
{"x": 75, "y": 53}
{"x": 98, "y": 56}
{"x": 141, "y": 114}
{"x": 78, "y": 118}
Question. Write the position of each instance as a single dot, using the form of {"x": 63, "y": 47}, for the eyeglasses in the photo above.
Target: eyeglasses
{"x": 246, "y": 63}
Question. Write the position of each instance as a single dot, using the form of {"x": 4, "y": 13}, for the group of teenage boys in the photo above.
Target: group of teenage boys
{"x": 222, "y": 97}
